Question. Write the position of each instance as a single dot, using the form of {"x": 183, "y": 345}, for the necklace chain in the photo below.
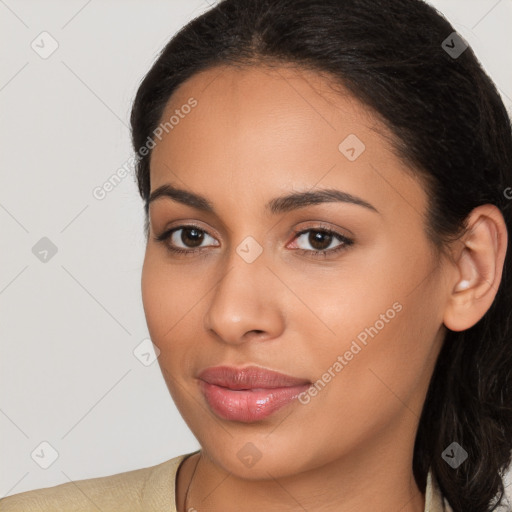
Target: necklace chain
{"x": 190, "y": 484}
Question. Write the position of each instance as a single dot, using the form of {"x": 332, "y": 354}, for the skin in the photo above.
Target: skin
{"x": 255, "y": 134}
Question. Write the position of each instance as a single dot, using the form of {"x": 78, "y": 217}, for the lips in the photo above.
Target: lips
{"x": 251, "y": 377}
{"x": 248, "y": 394}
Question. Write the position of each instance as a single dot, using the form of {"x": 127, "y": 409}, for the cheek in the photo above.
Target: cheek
{"x": 173, "y": 312}
{"x": 164, "y": 295}
{"x": 168, "y": 300}
{"x": 381, "y": 317}
{"x": 162, "y": 312}
{"x": 154, "y": 296}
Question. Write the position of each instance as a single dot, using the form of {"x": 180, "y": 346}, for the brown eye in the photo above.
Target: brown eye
{"x": 185, "y": 239}
{"x": 191, "y": 237}
{"x": 320, "y": 240}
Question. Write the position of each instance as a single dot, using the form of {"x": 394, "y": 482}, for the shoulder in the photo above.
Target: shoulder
{"x": 148, "y": 489}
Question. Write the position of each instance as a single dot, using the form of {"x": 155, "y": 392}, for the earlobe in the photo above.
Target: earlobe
{"x": 478, "y": 269}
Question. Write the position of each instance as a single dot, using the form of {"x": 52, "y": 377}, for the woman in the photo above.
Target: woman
{"x": 327, "y": 195}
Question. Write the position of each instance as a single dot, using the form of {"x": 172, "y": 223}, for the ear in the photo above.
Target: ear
{"x": 477, "y": 270}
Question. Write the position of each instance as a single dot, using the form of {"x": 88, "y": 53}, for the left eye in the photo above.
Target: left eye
{"x": 320, "y": 240}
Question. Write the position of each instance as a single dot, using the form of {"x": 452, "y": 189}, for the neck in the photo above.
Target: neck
{"x": 374, "y": 477}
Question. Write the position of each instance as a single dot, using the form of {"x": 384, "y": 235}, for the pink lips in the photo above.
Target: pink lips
{"x": 248, "y": 394}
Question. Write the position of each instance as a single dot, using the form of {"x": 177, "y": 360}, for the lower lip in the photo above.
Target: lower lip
{"x": 248, "y": 406}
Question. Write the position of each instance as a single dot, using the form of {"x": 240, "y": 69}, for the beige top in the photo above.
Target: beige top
{"x": 142, "y": 490}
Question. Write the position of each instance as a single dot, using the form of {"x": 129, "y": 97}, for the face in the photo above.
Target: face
{"x": 339, "y": 290}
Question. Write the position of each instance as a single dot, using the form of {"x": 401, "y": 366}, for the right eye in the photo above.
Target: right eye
{"x": 190, "y": 236}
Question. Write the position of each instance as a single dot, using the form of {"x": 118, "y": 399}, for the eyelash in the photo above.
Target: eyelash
{"x": 346, "y": 242}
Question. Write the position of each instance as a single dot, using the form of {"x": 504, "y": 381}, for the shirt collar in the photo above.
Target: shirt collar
{"x": 434, "y": 499}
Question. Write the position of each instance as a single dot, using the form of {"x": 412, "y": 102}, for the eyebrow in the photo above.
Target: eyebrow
{"x": 281, "y": 204}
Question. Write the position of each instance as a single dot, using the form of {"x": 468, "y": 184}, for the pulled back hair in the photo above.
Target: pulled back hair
{"x": 449, "y": 125}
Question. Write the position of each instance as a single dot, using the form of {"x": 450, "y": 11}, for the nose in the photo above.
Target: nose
{"x": 245, "y": 303}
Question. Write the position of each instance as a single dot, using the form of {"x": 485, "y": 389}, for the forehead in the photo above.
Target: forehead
{"x": 300, "y": 98}
{"x": 256, "y": 111}
{"x": 261, "y": 128}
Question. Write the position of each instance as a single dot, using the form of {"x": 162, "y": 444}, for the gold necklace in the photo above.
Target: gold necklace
{"x": 190, "y": 484}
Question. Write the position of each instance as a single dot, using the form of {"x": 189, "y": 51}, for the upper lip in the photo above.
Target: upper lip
{"x": 249, "y": 377}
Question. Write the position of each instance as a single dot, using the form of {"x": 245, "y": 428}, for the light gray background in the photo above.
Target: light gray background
{"x": 69, "y": 326}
